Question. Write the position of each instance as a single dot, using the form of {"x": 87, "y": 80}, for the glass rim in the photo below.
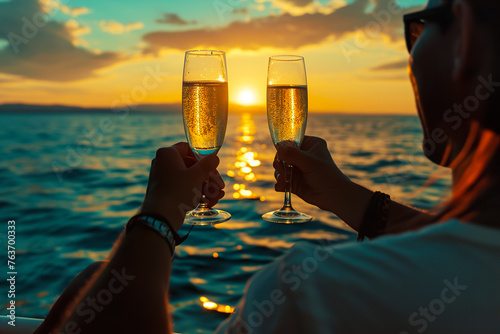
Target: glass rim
{"x": 286, "y": 58}
{"x": 205, "y": 52}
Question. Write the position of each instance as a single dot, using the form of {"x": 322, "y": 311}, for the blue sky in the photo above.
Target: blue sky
{"x": 207, "y": 14}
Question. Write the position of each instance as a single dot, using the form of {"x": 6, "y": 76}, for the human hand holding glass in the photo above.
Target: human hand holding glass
{"x": 204, "y": 110}
{"x": 287, "y": 119}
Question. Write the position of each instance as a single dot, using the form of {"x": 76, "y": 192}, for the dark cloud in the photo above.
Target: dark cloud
{"x": 5, "y": 80}
{"x": 287, "y": 31}
{"x": 174, "y": 19}
{"x": 298, "y": 3}
{"x": 43, "y": 49}
{"x": 395, "y": 65}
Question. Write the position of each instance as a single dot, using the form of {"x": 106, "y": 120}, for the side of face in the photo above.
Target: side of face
{"x": 431, "y": 69}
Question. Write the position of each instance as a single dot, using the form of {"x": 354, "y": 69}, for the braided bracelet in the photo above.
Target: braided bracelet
{"x": 376, "y": 215}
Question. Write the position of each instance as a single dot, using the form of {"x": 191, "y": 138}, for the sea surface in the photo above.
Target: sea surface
{"x": 72, "y": 181}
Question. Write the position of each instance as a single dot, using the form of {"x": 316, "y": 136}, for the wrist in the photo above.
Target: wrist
{"x": 173, "y": 215}
{"x": 152, "y": 239}
{"x": 159, "y": 225}
{"x": 349, "y": 202}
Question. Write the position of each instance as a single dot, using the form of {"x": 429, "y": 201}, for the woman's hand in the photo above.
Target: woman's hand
{"x": 316, "y": 179}
{"x": 176, "y": 183}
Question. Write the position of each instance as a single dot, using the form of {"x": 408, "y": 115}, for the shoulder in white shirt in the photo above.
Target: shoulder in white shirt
{"x": 441, "y": 279}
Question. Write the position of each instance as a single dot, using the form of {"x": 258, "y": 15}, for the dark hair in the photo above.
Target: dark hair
{"x": 487, "y": 12}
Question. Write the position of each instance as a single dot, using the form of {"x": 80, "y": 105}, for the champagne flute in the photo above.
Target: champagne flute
{"x": 287, "y": 119}
{"x": 204, "y": 110}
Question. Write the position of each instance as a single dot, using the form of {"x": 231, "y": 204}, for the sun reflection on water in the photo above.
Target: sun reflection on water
{"x": 210, "y": 305}
{"x": 244, "y": 169}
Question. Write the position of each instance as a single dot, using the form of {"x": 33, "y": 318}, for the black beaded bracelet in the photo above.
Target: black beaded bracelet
{"x": 375, "y": 218}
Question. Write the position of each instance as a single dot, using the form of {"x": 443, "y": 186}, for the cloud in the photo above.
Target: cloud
{"x": 240, "y": 11}
{"x": 298, "y": 3}
{"x": 286, "y": 30}
{"x": 392, "y": 71}
{"x": 395, "y": 65}
{"x": 45, "y": 50}
{"x": 7, "y": 79}
{"x": 117, "y": 28}
{"x": 260, "y": 7}
{"x": 50, "y": 5}
{"x": 73, "y": 11}
{"x": 174, "y": 19}
{"x": 301, "y": 7}
{"x": 383, "y": 77}
{"x": 79, "y": 11}
{"x": 76, "y": 31}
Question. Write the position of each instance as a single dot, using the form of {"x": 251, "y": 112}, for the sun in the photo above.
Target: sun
{"x": 246, "y": 97}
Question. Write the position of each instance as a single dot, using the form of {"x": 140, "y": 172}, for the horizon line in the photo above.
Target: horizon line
{"x": 237, "y": 108}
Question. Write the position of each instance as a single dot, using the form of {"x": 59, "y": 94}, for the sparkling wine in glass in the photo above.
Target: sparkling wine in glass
{"x": 287, "y": 119}
{"x": 204, "y": 110}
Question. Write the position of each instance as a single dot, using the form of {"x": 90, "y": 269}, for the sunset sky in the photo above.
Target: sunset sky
{"x": 111, "y": 53}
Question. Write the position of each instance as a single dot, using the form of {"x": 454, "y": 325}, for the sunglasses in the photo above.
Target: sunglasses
{"x": 414, "y": 22}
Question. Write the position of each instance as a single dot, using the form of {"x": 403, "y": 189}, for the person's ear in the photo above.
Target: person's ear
{"x": 464, "y": 55}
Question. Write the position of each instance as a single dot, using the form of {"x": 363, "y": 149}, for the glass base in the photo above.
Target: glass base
{"x": 286, "y": 216}
{"x": 206, "y": 216}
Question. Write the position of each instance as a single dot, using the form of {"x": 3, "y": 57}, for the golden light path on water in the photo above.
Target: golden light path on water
{"x": 243, "y": 169}
{"x": 248, "y": 168}
{"x": 210, "y": 305}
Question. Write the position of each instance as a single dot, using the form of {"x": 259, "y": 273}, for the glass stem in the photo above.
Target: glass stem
{"x": 287, "y": 205}
{"x": 203, "y": 205}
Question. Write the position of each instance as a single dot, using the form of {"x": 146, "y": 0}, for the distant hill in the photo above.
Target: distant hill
{"x": 142, "y": 108}
{"x": 58, "y": 109}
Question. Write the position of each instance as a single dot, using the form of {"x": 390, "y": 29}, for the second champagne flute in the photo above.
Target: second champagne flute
{"x": 204, "y": 110}
{"x": 287, "y": 119}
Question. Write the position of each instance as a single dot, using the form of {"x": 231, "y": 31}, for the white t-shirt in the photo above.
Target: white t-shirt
{"x": 441, "y": 279}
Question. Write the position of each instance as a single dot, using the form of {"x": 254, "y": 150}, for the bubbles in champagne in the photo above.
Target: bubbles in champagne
{"x": 204, "y": 109}
{"x": 287, "y": 113}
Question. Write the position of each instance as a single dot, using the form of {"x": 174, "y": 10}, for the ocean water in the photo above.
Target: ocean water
{"x": 72, "y": 181}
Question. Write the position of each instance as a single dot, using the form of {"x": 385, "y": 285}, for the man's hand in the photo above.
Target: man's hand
{"x": 316, "y": 178}
{"x": 177, "y": 180}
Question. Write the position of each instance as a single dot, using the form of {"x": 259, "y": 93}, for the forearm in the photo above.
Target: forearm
{"x": 130, "y": 294}
{"x": 351, "y": 202}
{"x": 400, "y": 215}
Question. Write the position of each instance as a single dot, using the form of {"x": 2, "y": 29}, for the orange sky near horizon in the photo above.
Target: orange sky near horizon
{"x": 350, "y": 68}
